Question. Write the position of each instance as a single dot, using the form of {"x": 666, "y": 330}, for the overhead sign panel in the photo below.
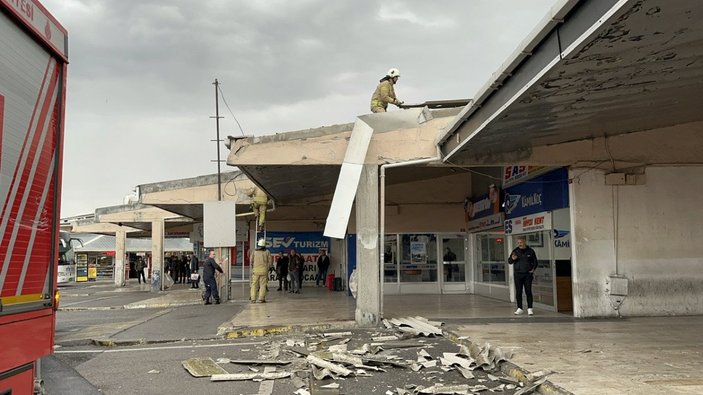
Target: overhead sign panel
{"x": 219, "y": 224}
{"x": 348, "y": 181}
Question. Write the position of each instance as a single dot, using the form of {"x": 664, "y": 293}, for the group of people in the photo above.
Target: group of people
{"x": 179, "y": 268}
{"x": 290, "y": 267}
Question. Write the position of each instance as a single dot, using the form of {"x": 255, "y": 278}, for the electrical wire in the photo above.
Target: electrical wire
{"x": 219, "y": 87}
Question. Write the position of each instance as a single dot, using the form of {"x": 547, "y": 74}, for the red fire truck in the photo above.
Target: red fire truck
{"x": 33, "y": 60}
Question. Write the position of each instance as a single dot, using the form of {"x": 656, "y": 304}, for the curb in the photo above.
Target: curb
{"x": 131, "y": 306}
{"x": 512, "y": 370}
{"x": 108, "y": 343}
{"x": 231, "y": 333}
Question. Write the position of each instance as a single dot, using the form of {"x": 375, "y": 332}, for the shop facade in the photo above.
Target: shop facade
{"x": 534, "y": 203}
{"x": 538, "y": 209}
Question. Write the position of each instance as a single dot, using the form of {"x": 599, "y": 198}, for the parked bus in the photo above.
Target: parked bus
{"x": 66, "y": 272}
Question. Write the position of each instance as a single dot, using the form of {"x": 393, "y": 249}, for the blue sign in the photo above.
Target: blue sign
{"x": 547, "y": 192}
{"x": 302, "y": 242}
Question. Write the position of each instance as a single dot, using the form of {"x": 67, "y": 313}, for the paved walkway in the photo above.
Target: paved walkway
{"x": 645, "y": 355}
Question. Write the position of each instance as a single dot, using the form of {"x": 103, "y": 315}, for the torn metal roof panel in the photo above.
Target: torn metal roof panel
{"x": 598, "y": 68}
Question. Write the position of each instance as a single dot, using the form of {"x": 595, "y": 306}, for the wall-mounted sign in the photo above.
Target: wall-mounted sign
{"x": 483, "y": 211}
{"x": 528, "y": 223}
{"x": 486, "y": 222}
{"x": 547, "y": 192}
{"x": 513, "y": 174}
{"x": 307, "y": 244}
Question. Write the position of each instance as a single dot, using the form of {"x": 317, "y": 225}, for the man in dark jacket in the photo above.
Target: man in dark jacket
{"x": 323, "y": 263}
{"x": 295, "y": 268}
{"x": 524, "y": 260}
{"x": 209, "y": 268}
{"x": 282, "y": 271}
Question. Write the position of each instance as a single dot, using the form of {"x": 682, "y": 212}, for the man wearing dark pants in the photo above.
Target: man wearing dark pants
{"x": 209, "y": 268}
{"x": 323, "y": 263}
{"x": 524, "y": 260}
{"x": 282, "y": 271}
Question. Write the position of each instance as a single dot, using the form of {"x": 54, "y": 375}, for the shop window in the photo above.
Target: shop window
{"x": 418, "y": 258}
{"x": 492, "y": 265}
{"x": 390, "y": 259}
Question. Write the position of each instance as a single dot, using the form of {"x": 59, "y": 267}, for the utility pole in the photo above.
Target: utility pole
{"x": 217, "y": 141}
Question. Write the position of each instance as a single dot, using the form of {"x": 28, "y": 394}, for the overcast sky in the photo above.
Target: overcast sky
{"x": 140, "y": 90}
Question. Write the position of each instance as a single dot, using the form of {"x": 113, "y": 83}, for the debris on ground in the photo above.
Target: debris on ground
{"x": 335, "y": 362}
{"x": 202, "y": 367}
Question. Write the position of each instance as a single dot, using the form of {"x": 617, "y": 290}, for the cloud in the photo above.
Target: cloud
{"x": 140, "y": 90}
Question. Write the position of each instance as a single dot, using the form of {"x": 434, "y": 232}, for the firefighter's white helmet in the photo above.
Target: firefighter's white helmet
{"x": 393, "y": 73}
{"x": 261, "y": 243}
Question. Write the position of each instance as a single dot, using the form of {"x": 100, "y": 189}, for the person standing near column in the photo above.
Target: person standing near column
{"x": 323, "y": 263}
{"x": 261, "y": 264}
{"x": 282, "y": 271}
{"x": 294, "y": 265}
{"x": 140, "y": 270}
{"x": 524, "y": 260}
{"x": 209, "y": 268}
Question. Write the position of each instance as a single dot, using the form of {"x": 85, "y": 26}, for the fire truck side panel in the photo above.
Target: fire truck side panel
{"x": 27, "y": 338}
{"x": 20, "y": 379}
{"x": 33, "y": 54}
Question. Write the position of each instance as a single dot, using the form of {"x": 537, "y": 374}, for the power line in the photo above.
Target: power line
{"x": 230, "y": 110}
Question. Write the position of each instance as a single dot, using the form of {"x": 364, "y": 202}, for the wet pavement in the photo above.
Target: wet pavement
{"x": 609, "y": 356}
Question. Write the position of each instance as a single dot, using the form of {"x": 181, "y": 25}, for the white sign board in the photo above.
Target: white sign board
{"x": 528, "y": 223}
{"x": 219, "y": 224}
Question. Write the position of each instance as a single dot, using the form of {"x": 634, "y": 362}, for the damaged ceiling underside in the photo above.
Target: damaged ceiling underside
{"x": 641, "y": 69}
{"x": 316, "y": 183}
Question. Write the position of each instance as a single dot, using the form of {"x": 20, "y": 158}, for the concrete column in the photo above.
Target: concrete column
{"x": 222, "y": 256}
{"x": 368, "y": 298}
{"x": 157, "y": 251}
{"x": 120, "y": 251}
{"x": 593, "y": 252}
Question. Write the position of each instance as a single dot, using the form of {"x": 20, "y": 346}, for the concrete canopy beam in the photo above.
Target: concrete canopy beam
{"x": 135, "y": 213}
{"x": 96, "y": 227}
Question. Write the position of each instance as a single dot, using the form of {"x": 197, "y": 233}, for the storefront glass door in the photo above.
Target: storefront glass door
{"x": 453, "y": 276}
{"x": 543, "y": 282}
{"x": 240, "y": 263}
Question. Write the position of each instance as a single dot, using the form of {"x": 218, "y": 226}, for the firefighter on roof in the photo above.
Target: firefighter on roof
{"x": 384, "y": 93}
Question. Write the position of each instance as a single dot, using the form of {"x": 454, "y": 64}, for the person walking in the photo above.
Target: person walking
{"x": 209, "y": 268}
{"x": 323, "y": 263}
{"x": 294, "y": 264}
{"x": 282, "y": 271}
{"x": 140, "y": 270}
{"x": 194, "y": 273}
{"x": 384, "y": 93}
{"x": 261, "y": 264}
{"x": 525, "y": 262}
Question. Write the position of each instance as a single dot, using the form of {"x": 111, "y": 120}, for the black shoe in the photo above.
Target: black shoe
{"x": 278, "y": 289}
{"x": 208, "y": 302}
{"x": 217, "y": 301}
